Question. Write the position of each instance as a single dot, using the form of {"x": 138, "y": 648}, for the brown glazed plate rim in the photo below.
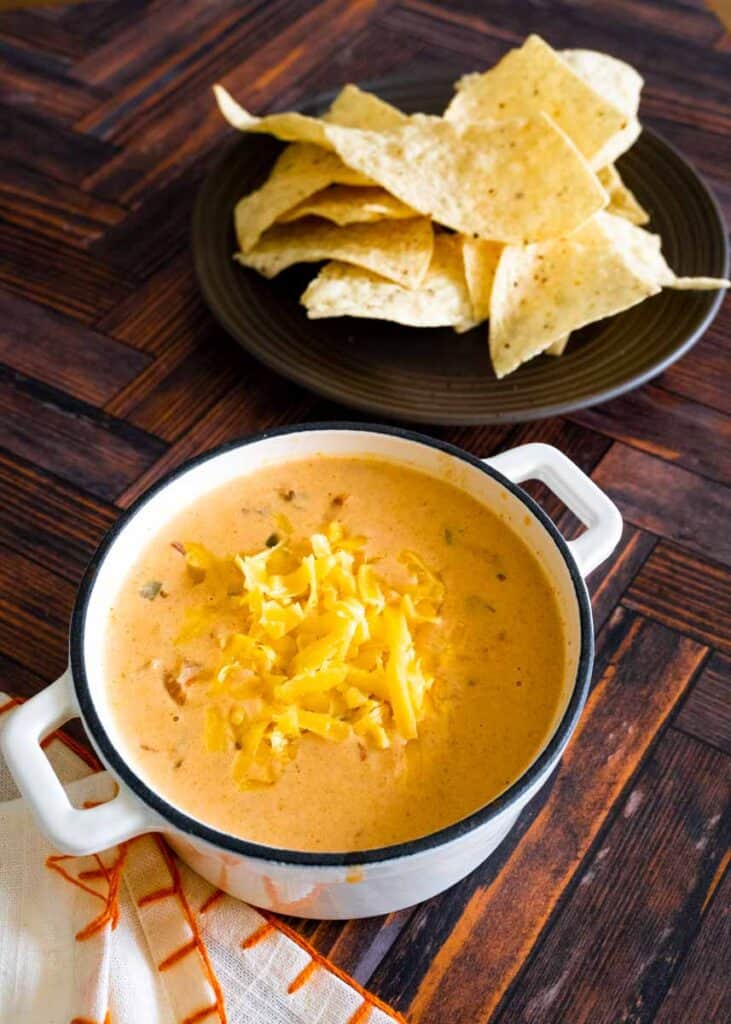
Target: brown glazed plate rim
{"x": 434, "y": 375}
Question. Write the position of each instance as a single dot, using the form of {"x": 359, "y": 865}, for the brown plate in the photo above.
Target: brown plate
{"x": 434, "y": 375}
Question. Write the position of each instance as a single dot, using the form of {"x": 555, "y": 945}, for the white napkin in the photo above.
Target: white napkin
{"x": 132, "y": 936}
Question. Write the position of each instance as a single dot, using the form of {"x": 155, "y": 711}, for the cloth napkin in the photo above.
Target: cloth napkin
{"x": 132, "y": 936}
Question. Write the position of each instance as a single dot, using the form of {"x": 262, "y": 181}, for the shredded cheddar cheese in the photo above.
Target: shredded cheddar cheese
{"x": 312, "y": 640}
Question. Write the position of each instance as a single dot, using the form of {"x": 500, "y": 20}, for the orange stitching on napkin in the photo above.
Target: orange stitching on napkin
{"x": 113, "y": 875}
{"x": 52, "y": 862}
{"x": 323, "y": 961}
{"x": 153, "y": 897}
{"x": 256, "y": 936}
{"x": 100, "y": 872}
{"x": 361, "y": 1015}
{"x": 213, "y": 898}
{"x": 302, "y": 977}
{"x": 178, "y": 955}
{"x": 200, "y": 1015}
{"x": 190, "y": 917}
{"x": 110, "y": 914}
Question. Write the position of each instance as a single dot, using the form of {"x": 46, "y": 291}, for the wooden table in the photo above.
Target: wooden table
{"x": 610, "y": 902}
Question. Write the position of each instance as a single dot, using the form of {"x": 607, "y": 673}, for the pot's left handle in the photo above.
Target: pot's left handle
{"x": 577, "y": 491}
{"x": 68, "y": 828}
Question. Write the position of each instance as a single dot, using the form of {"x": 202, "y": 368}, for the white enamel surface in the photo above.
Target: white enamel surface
{"x": 343, "y": 893}
{"x": 317, "y": 891}
{"x": 578, "y": 492}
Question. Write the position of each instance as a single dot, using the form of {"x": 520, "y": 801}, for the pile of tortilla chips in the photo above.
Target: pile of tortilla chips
{"x": 506, "y": 209}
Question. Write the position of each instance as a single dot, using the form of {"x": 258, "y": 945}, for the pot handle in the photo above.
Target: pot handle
{"x": 69, "y": 829}
{"x": 576, "y": 490}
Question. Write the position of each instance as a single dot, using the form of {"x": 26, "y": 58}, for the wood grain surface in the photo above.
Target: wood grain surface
{"x": 610, "y": 901}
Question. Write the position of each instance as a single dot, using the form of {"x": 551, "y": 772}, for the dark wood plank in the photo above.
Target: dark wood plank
{"x": 355, "y": 946}
{"x": 268, "y": 53}
{"x": 707, "y": 149}
{"x": 101, "y": 456}
{"x": 156, "y": 43}
{"x": 377, "y": 50}
{"x": 32, "y": 31}
{"x": 701, "y": 374}
{"x": 162, "y": 219}
{"x": 49, "y": 521}
{"x": 96, "y": 22}
{"x": 55, "y": 150}
{"x": 482, "y": 922}
{"x": 17, "y": 680}
{"x": 611, "y": 27}
{"x": 35, "y": 606}
{"x": 694, "y": 21}
{"x": 480, "y": 441}
{"x": 242, "y": 410}
{"x": 57, "y": 275}
{"x": 59, "y": 351}
{"x": 608, "y": 584}
{"x": 672, "y": 428}
{"x": 170, "y": 399}
{"x": 706, "y": 714}
{"x": 53, "y": 208}
{"x": 668, "y": 500}
{"x": 612, "y": 953}
{"x": 701, "y": 993}
{"x": 685, "y": 592}
{"x": 166, "y": 313}
{"x": 31, "y": 82}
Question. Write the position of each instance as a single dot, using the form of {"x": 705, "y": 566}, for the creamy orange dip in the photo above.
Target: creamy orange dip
{"x": 490, "y": 656}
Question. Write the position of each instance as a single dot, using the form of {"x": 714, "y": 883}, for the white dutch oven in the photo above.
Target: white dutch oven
{"x": 336, "y": 885}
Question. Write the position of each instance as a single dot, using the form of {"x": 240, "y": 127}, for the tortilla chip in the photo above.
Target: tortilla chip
{"x": 643, "y": 252}
{"x": 542, "y": 292}
{"x": 304, "y": 169}
{"x": 699, "y": 284}
{"x": 535, "y": 79}
{"x": 354, "y": 108}
{"x": 620, "y": 85}
{"x": 480, "y": 263}
{"x": 398, "y": 250}
{"x": 342, "y": 204}
{"x": 558, "y": 347}
{"x": 289, "y": 127}
{"x": 616, "y": 81}
{"x": 514, "y": 181}
{"x": 441, "y": 301}
{"x": 622, "y": 202}
{"x": 300, "y": 171}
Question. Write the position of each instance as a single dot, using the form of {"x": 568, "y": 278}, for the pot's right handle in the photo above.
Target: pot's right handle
{"x": 69, "y": 829}
{"x": 576, "y": 490}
